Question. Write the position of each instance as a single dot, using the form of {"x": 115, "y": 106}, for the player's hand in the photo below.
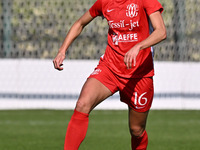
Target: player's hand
{"x": 130, "y": 57}
{"x": 58, "y": 61}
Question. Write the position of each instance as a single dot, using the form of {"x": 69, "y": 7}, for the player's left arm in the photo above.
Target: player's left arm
{"x": 159, "y": 32}
{"x": 155, "y": 37}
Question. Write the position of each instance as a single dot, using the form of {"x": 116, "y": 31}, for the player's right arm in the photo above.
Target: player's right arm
{"x": 73, "y": 33}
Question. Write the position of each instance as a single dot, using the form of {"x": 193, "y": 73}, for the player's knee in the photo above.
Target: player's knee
{"x": 136, "y": 130}
{"x": 83, "y": 106}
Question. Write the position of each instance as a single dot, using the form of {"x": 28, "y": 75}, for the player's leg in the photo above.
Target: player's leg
{"x": 137, "y": 124}
{"x": 138, "y": 94}
{"x": 93, "y": 93}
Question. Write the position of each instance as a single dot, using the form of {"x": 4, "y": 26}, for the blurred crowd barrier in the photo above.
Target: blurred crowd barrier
{"x": 35, "y": 84}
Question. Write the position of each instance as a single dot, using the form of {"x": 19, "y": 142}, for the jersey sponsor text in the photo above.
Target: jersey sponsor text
{"x": 121, "y": 24}
{"x": 132, "y": 37}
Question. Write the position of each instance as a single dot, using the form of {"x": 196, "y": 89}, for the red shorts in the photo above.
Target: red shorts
{"x": 136, "y": 92}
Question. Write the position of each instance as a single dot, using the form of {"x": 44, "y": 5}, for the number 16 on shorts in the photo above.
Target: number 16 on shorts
{"x": 140, "y": 101}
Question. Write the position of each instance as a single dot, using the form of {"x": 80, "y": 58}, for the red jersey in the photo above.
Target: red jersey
{"x": 128, "y": 25}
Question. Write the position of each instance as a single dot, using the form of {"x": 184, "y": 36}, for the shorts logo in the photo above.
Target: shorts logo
{"x": 132, "y": 10}
{"x": 95, "y": 72}
{"x": 141, "y": 101}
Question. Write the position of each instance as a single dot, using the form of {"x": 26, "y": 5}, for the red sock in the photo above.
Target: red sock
{"x": 140, "y": 143}
{"x": 76, "y": 130}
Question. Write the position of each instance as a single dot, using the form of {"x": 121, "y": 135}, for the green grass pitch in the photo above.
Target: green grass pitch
{"x": 108, "y": 130}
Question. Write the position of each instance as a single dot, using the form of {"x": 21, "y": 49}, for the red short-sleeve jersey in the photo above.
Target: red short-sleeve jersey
{"x": 128, "y": 25}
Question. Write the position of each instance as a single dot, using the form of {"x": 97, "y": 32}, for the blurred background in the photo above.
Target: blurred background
{"x": 33, "y": 30}
{"x": 36, "y": 29}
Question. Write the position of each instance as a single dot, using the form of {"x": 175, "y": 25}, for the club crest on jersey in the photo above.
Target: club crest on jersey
{"x": 132, "y": 10}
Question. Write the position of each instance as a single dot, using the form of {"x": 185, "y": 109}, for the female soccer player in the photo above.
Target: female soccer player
{"x": 127, "y": 65}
